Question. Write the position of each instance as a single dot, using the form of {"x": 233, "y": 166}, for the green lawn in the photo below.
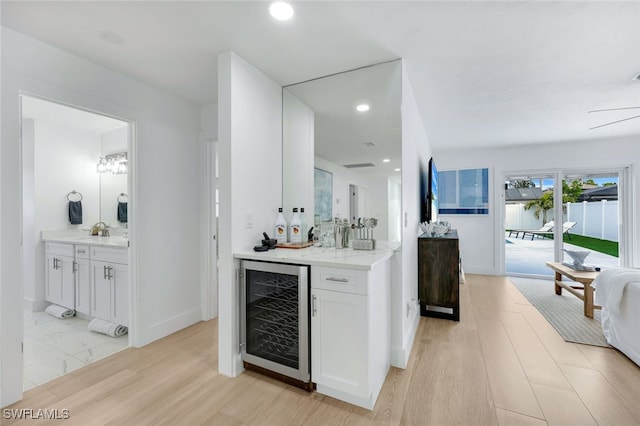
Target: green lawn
{"x": 595, "y": 244}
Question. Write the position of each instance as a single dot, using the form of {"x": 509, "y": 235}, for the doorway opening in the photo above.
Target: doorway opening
{"x": 75, "y": 196}
{"x": 581, "y": 210}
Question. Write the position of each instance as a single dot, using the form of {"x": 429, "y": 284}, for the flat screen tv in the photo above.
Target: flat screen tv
{"x": 428, "y": 192}
{"x": 433, "y": 191}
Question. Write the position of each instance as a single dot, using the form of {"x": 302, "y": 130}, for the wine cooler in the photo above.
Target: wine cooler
{"x": 274, "y": 322}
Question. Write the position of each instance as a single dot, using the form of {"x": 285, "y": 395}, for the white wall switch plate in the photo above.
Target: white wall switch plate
{"x": 249, "y": 219}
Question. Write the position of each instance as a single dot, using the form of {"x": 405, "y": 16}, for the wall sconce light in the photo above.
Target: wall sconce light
{"x": 114, "y": 163}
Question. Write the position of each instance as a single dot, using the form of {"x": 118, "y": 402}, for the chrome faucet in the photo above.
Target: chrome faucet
{"x": 100, "y": 228}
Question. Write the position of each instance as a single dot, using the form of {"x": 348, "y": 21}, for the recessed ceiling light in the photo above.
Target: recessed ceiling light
{"x": 362, "y": 107}
{"x": 397, "y": 170}
{"x": 110, "y": 37}
{"x": 370, "y": 144}
{"x": 386, "y": 160}
{"x": 280, "y": 10}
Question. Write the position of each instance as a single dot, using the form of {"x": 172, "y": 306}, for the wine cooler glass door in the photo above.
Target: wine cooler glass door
{"x": 275, "y": 318}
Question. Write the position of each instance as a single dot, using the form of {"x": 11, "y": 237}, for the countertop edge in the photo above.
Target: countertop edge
{"x": 283, "y": 257}
{"x": 73, "y": 240}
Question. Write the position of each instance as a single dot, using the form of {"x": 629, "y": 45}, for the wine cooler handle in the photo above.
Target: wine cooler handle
{"x": 313, "y": 305}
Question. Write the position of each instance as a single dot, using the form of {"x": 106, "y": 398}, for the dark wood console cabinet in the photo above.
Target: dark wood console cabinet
{"x": 439, "y": 276}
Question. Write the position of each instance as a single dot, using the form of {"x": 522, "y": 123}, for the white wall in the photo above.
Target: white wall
{"x": 404, "y": 274}
{"x": 478, "y": 233}
{"x": 297, "y": 157}
{"x": 165, "y": 233}
{"x": 250, "y": 153}
{"x": 379, "y": 204}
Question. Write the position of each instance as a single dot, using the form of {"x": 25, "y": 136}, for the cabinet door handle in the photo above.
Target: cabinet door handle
{"x": 104, "y": 272}
{"x": 338, "y": 280}
{"x": 110, "y": 269}
{"x": 313, "y": 305}
{"x": 56, "y": 263}
{"x": 81, "y": 251}
{"x": 75, "y": 267}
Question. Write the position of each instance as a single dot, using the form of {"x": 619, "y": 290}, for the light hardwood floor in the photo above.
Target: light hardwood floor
{"x": 502, "y": 364}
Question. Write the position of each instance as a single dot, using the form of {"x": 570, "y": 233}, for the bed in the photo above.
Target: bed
{"x": 618, "y": 292}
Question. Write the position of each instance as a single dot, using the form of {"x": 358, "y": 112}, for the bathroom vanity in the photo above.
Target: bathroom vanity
{"x": 349, "y": 312}
{"x": 88, "y": 274}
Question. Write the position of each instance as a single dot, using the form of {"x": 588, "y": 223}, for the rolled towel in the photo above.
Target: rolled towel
{"x": 107, "y": 327}
{"x": 60, "y": 311}
{"x": 122, "y": 212}
{"x": 75, "y": 212}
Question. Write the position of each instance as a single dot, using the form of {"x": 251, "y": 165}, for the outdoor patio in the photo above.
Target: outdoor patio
{"x": 524, "y": 256}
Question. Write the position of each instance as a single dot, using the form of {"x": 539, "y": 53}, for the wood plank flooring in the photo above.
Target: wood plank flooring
{"x": 502, "y": 364}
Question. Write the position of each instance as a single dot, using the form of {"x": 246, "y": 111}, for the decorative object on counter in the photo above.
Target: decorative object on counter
{"x": 578, "y": 257}
{"x": 122, "y": 207}
{"x": 310, "y": 236}
{"x": 363, "y": 234}
{"x": 60, "y": 311}
{"x": 75, "y": 207}
{"x": 295, "y": 245}
{"x": 436, "y": 229}
{"x": 268, "y": 241}
{"x": 107, "y": 327}
{"x": 304, "y": 226}
{"x": 341, "y": 233}
{"x": 280, "y": 227}
{"x": 295, "y": 231}
{"x": 327, "y": 232}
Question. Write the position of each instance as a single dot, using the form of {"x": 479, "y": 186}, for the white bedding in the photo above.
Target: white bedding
{"x": 618, "y": 292}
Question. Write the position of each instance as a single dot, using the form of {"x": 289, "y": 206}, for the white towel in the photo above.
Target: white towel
{"x": 60, "y": 311}
{"x": 106, "y": 327}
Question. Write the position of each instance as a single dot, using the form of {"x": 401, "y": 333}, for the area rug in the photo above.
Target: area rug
{"x": 564, "y": 312}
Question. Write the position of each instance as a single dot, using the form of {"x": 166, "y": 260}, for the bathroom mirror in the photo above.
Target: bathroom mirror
{"x": 114, "y": 181}
{"x": 326, "y": 127}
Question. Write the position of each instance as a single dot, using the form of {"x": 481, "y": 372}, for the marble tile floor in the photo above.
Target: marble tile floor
{"x": 54, "y": 347}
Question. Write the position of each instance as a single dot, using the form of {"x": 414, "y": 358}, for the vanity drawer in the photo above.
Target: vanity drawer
{"x": 339, "y": 279}
{"x": 108, "y": 254}
{"x": 82, "y": 252}
{"x": 59, "y": 249}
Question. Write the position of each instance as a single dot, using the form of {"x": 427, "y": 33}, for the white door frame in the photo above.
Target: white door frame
{"x": 209, "y": 257}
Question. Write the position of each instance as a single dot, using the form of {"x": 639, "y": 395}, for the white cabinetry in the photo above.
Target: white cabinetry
{"x": 350, "y": 332}
{"x": 59, "y": 279}
{"x": 110, "y": 285}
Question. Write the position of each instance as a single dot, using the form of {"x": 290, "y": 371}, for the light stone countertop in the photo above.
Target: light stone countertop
{"x": 71, "y": 237}
{"x": 320, "y": 256}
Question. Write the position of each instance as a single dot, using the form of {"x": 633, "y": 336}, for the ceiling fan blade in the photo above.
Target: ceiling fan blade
{"x": 614, "y": 122}
{"x": 613, "y": 109}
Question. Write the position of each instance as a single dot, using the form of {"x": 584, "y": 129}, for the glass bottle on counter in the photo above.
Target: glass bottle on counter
{"x": 295, "y": 234}
{"x": 304, "y": 227}
{"x": 280, "y": 228}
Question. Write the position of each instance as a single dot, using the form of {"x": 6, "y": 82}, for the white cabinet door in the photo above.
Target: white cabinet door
{"x": 83, "y": 286}
{"x": 53, "y": 280}
{"x": 339, "y": 341}
{"x": 68, "y": 283}
{"x": 60, "y": 283}
{"x": 100, "y": 290}
{"x": 120, "y": 294}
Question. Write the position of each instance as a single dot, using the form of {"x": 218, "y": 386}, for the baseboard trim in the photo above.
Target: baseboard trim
{"x": 168, "y": 326}
{"x": 33, "y": 305}
{"x": 400, "y": 356}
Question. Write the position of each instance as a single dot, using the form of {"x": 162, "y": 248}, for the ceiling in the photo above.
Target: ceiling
{"x": 483, "y": 73}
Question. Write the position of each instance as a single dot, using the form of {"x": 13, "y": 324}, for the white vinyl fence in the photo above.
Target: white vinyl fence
{"x": 598, "y": 219}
